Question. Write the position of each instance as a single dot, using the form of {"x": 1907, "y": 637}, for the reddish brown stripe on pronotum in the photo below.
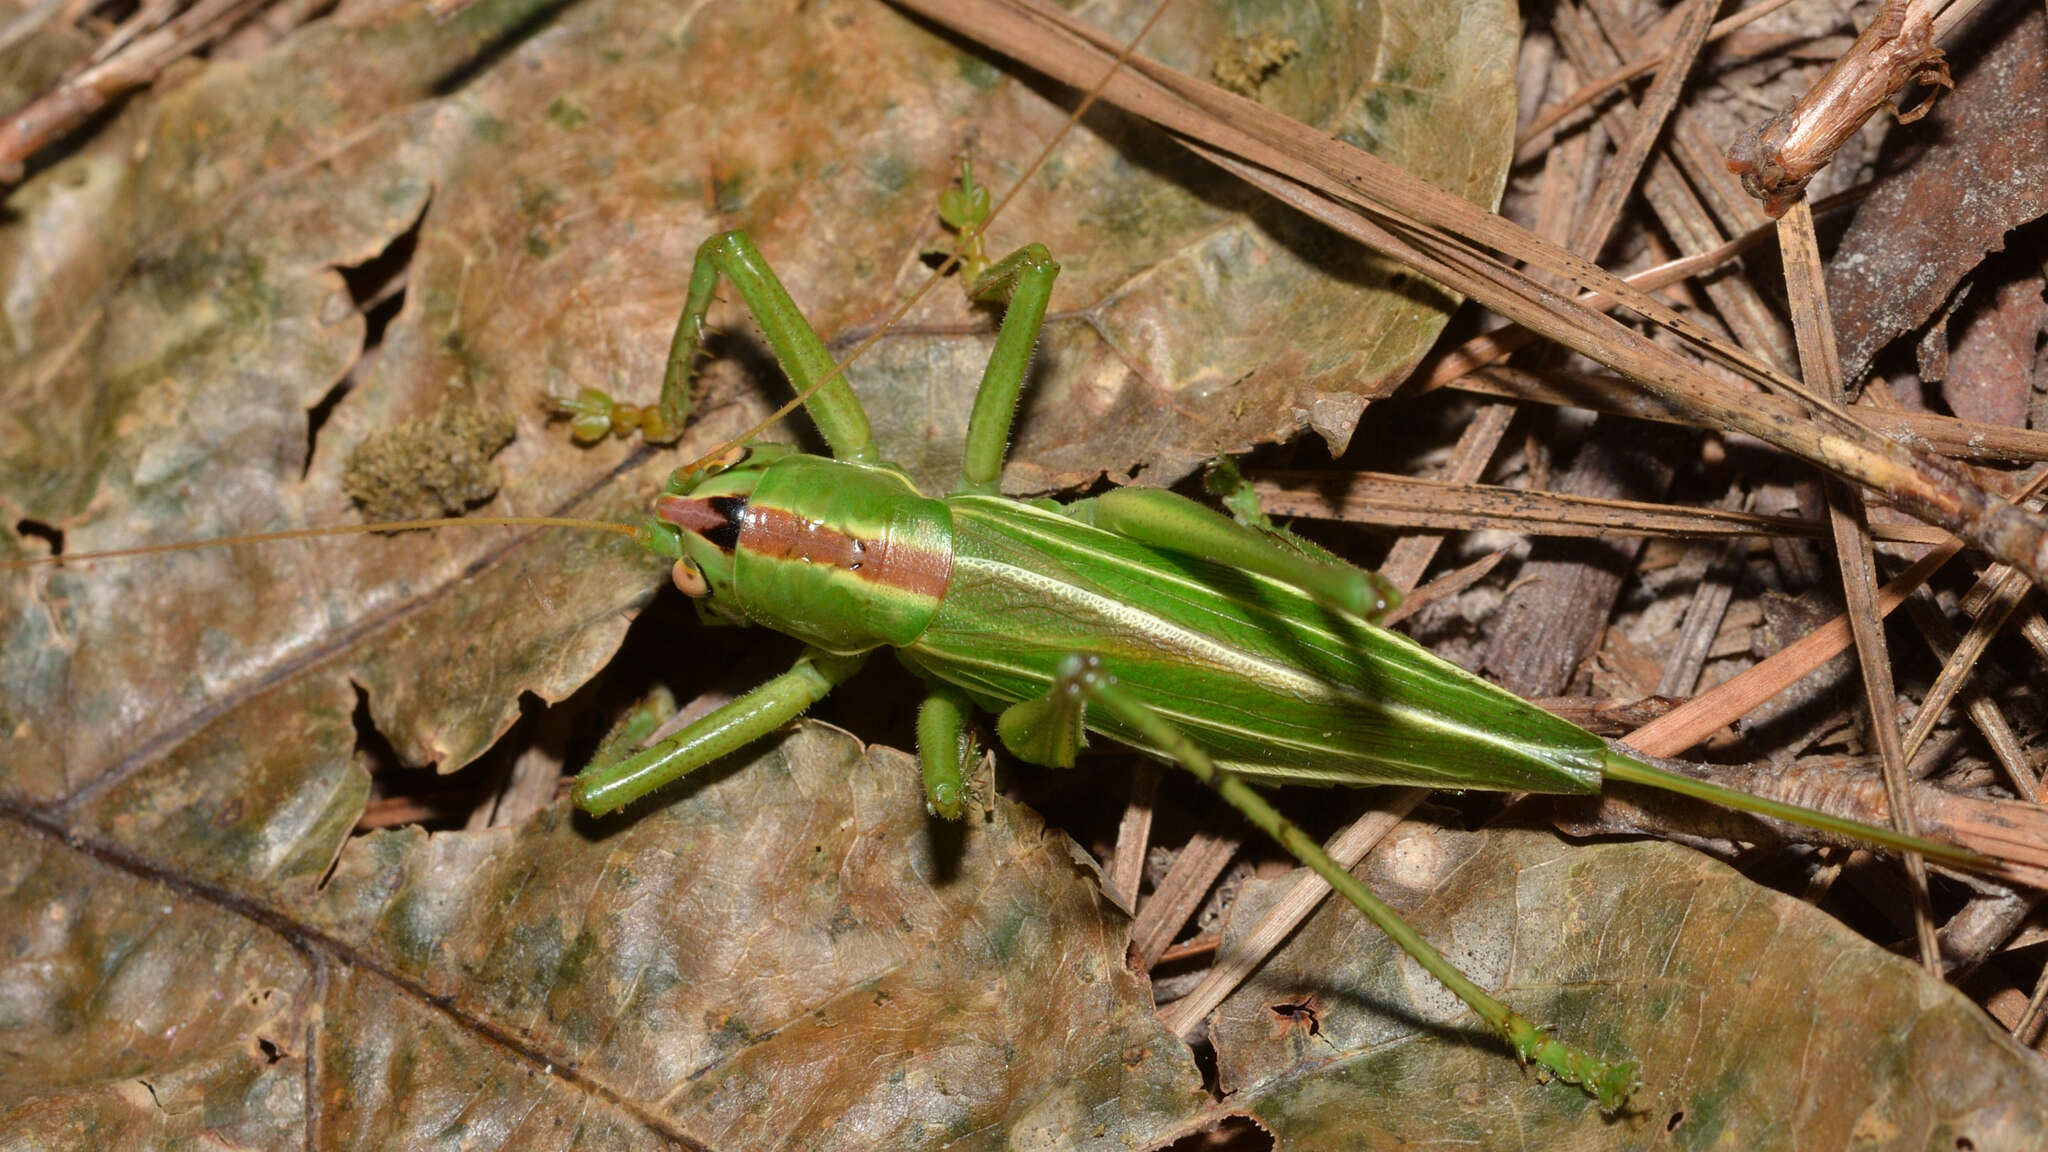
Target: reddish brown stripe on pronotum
{"x": 777, "y": 534}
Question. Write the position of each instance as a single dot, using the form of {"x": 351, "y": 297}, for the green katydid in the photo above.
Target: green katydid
{"x": 1138, "y": 615}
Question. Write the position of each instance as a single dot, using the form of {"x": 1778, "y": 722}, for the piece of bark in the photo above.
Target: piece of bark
{"x": 1560, "y": 605}
{"x": 1925, "y": 227}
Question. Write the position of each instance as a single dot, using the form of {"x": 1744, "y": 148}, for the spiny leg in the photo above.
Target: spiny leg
{"x": 802, "y": 355}
{"x": 607, "y": 785}
{"x": 1082, "y": 681}
{"x": 1023, "y": 279}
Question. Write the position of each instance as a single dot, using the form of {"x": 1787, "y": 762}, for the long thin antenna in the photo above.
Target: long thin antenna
{"x": 331, "y": 530}
{"x": 952, "y": 261}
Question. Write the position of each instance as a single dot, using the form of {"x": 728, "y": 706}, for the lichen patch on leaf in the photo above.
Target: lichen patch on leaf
{"x": 438, "y": 465}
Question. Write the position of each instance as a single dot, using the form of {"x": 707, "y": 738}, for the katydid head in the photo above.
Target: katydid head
{"x": 842, "y": 555}
{"x": 703, "y": 510}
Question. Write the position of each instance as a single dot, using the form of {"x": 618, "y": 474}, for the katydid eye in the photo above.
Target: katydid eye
{"x": 689, "y": 579}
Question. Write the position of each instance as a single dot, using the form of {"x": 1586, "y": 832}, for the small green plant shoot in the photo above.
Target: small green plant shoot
{"x": 1139, "y": 615}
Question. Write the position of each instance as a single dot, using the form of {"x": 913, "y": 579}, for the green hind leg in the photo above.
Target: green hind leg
{"x": 1168, "y": 520}
{"x": 1047, "y": 731}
